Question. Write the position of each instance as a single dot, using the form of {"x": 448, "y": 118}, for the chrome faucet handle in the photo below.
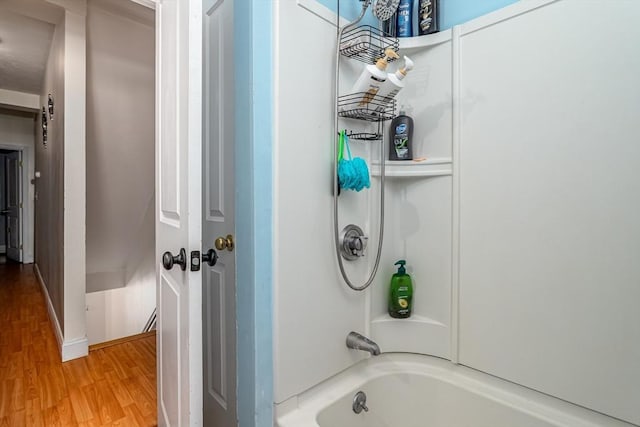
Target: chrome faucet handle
{"x": 360, "y": 402}
{"x": 353, "y": 242}
{"x": 357, "y": 244}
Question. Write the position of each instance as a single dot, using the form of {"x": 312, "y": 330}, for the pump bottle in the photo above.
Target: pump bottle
{"x": 401, "y": 293}
{"x": 372, "y": 77}
{"x": 394, "y": 83}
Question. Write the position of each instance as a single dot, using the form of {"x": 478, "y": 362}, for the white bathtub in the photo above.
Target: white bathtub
{"x": 405, "y": 390}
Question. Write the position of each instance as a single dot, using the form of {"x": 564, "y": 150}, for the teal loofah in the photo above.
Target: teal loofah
{"x": 353, "y": 174}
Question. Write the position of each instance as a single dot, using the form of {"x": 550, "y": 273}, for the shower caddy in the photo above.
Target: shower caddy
{"x": 366, "y": 44}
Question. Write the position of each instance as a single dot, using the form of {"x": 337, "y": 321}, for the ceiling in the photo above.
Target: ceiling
{"x": 24, "y": 50}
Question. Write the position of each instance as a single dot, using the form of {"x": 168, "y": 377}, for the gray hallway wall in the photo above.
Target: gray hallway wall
{"x": 120, "y": 167}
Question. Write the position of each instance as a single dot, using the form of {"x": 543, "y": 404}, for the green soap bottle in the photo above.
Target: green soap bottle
{"x": 401, "y": 293}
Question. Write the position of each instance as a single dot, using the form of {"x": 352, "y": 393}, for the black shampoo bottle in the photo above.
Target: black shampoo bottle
{"x": 401, "y": 138}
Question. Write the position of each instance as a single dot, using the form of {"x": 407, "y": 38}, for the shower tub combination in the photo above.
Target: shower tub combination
{"x": 421, "y": 391}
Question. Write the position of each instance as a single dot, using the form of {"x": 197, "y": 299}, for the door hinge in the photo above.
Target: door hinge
{"x": 20, "y": 205}
{"x": 20, "y": 163}
{"x": 21, "y": 247}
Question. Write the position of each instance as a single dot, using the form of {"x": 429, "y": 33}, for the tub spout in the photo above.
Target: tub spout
{"x": 360, "y": 342}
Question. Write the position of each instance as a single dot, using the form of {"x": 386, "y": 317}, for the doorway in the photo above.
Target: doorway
{"x": 120, "y": 173}
{"x": 17, "y": 189}
{"x": 11, "y": 204}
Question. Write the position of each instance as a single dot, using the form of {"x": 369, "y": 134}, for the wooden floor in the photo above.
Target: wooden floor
{"x": 113, "y": 386}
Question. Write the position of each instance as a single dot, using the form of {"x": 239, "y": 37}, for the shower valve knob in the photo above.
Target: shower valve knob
{"x": 354, "y": 242}
{"x": 357, "y": 245}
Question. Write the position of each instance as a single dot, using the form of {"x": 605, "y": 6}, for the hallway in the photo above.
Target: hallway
{"x": 114, "y": 386}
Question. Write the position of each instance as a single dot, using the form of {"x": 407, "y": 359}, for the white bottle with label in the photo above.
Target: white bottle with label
{"x": 373, "y": 76}
{"x": 393, "y": 83}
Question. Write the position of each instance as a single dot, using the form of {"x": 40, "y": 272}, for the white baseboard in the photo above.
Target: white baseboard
{"x": 71, "y": 349}
{"x": 74, "y": 349}
{"x": 52, "y": 313}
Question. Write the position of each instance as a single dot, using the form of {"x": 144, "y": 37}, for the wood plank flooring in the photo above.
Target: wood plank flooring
{"x": 113, "y": 386}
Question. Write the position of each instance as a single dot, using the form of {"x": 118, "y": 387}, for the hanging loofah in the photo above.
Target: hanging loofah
{"x": 353, "y": 174}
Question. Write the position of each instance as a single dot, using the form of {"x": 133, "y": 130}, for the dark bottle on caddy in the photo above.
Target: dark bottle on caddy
{"x": 389, "y": 26}
{"x": 427, "y": 17}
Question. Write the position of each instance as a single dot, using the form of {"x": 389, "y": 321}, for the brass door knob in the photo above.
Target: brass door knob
{"x": 222, "y": 243}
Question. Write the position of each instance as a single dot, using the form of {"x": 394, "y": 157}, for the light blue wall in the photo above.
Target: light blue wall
{"x": 350, "y": 9}
{"x": 262, "y": 139}
{"x": 244, "y": 219}
{"x": 253, "y": 174}
{"x": 452, "y": 12}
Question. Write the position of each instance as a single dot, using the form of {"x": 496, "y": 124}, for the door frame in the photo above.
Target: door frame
{"x": 28, "y": 197}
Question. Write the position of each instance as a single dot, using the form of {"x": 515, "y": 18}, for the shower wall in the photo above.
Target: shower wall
{"x": 314, "y": 309}
{"x": 547, "y": 201}
{"x": 518, "y": 227}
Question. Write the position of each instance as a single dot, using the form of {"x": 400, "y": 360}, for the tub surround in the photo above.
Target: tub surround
{"x": 475, "y": 119}
{"x": 547, "y": 200}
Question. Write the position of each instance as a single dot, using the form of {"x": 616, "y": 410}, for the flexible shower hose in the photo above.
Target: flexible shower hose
{"x": 336, "y": 233}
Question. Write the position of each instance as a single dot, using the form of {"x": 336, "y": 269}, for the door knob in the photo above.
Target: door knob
{"x": 224, "y": 243}
{"x": 168, "y": 260}
{"x": 210, "y": 257}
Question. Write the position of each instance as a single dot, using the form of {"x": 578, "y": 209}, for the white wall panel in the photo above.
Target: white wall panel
{"x": 418, "y": 208}
{"x": 417, "y": 229}
{"x": 75, "y": 191}
{"x": 549, "y": 195}
{"x": 314, "y": 310}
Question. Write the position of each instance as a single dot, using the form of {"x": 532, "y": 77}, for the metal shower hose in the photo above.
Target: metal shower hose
{"x": 336, "y": 235}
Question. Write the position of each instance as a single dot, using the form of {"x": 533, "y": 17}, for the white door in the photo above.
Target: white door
{"x": 219, "y": 287}
{"x": 179, "y": 210}
{"x": 13, "y": 210}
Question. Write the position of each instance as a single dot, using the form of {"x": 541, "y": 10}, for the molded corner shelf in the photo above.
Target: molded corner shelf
{"x": 415, "y": 318}
{"x": 429, "y": 40}
{"x": 411, "y": 169}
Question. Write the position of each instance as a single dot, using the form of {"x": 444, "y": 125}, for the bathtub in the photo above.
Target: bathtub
{"x": 406, "y": 390}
